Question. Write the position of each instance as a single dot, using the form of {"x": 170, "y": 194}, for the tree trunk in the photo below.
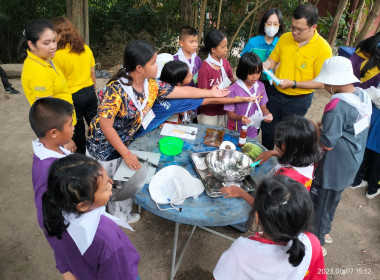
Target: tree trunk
{"x": 257, "y": 7}
{"x": 369, "y": 21}
{"x": 77, "y": 12}
{"x": 196, "y": 14}
{"x": 186, "y": 12}
{"x": 353, "y": 6}
{"x": 219, "y": 13}
{"x": 202, "y": 16}
{"x": 335, "y": 24}
{"x": 360, "y": 9}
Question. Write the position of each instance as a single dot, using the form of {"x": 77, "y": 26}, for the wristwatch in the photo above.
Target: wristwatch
{"x": 295, "y": 85}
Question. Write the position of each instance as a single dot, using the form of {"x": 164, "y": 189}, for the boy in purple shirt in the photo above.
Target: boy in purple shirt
{"x": 51, "y": 120}
{"x": 188, "y": 40}
{"x": 248, "y": 71}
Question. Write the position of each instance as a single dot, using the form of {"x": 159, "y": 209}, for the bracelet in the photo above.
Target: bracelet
{"x": 295, "y": 85}
{"x": 129, "y": 152}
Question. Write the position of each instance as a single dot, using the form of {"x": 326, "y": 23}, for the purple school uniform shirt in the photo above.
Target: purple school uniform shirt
{"x": 241, "y": 108}
{"x": 40, "y": 172}
{"x": 111, "y": 254}
{"x": 197, "y": 66}
{"x": 209, "y": 77}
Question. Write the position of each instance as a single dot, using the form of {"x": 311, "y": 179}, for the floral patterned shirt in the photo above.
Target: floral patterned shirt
{"x": 116, "y": 104}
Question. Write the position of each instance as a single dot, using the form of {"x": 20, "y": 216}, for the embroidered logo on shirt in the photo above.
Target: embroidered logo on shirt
{"x": 39, "y": 88}
{"x": 303, "y": 64}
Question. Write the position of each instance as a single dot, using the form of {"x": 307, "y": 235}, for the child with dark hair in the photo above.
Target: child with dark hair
{"x": 285, "y": 249}
{"x": 215, "y": 70}
{"x": 87, "y": 242}
{"x": 51, "y": 121}
{"x": 248, "y": 71}
{"x": 296, "y": 147}
{"x": 188, "y": 41}
{"x": 177, "y": 73}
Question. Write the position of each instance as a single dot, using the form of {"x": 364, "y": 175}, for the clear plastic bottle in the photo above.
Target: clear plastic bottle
{"x": 243, "y": 135}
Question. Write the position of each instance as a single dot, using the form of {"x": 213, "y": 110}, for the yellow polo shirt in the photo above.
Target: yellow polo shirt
{"x": 75, "y": 67}
{"x": 299, "y": 63}
{"x": 40, "y": 79}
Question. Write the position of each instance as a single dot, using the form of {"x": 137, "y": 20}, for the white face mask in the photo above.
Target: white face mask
{"x": 270, "y": 31}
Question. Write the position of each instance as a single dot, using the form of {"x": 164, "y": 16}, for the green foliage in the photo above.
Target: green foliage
{"x": 324, "y": 26}
{"x": 14, "y": 15}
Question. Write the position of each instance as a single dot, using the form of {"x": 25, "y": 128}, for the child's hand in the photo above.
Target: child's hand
{"x": 70, "y": 146}
{"x": 264, "y": 156}
{"x": 215, "y": 92}
{"x": 268, "y": 118}
{"x": 245, "y": 120}
{"x": 233, "y": 191}
{"x": 132, "y": 162}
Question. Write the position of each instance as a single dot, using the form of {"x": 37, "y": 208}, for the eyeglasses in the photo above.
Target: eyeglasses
{"x": 298, "y": 30}
{"x": 275, "y": 24}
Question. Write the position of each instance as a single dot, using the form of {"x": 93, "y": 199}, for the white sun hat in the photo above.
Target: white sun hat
{"x": 337, "y": 71}
{"x": 172, "y": 185}
{"x": 162, "y": 59}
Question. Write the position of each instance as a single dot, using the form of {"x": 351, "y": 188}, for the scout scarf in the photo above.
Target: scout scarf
{"x": 181, "y": 57}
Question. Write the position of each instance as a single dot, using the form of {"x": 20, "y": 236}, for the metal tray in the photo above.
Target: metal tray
{"x": 213, "y": 185}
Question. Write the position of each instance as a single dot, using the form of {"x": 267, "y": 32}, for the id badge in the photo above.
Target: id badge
{"x": 147, "y": 119}
{"x": 360, "y": 125}
{"x": 195, "y": 78}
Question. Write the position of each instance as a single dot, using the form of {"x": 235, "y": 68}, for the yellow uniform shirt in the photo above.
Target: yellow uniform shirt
{"x": 299, "y": 63}
{"x": 75, "y": 67}
{"x": 40, "y": 79}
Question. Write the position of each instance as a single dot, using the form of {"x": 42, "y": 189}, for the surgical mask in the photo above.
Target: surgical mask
{"x": 270, "y": 31}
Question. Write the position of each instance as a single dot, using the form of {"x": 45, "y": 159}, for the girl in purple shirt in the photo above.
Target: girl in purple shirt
{"x": 87, "y": 241}
{"x": 248, "y": 71}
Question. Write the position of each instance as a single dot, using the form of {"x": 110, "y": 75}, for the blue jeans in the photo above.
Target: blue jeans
{"x": 282, "y": 106}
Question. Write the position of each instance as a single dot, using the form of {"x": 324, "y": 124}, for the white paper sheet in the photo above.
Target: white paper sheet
{"x": 180, "y": 131}
{"x": 124, "y": 172}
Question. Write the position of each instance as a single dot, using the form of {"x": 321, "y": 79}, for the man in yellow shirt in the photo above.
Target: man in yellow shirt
{"x": 298, "y": 56}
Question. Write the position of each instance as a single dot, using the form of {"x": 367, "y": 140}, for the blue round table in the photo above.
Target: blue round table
{"x": 204, "y": 211}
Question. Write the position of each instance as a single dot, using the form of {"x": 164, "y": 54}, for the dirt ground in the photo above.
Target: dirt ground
{"x": 25, "y": 254}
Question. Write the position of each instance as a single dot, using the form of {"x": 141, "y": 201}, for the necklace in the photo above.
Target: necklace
{"x": 139, "y": 89}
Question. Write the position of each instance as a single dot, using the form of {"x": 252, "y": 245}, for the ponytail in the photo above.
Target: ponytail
{"x": 22, "y": 48}
{"x": 285, "y": 211}
{"x": 296, "y": 252}
{"x": 373, "y": 61}
{"x": 72, "y": 180}
{"x": 54, "y": 222}
{"x": 212, "y": 40}
{"x": 32, "y": 33}
{"x": 136, "y": 53}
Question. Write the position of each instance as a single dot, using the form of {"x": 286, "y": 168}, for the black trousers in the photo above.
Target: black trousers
{"x": 86, "y": 106}
{"x": 369, "y": 170}
{"x": 4, "y": 79}
{"x": 282, "y": 106}
{"x": 325, "y": 202}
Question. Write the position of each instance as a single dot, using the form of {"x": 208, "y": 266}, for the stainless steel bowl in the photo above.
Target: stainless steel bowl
{"x": 228, "y": 165}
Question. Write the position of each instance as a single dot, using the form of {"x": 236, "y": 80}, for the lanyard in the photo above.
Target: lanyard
{"x": 255, "y": 87}
{"x": 182, "y": 57}
{"x": 129, "y": 90}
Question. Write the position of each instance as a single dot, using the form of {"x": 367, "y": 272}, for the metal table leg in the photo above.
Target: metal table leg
{"x": 175, "y": 265}
{"x": 217, "y": 233}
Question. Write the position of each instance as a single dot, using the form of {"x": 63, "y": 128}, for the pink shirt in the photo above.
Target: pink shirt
{"x": 207, "y": 78}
